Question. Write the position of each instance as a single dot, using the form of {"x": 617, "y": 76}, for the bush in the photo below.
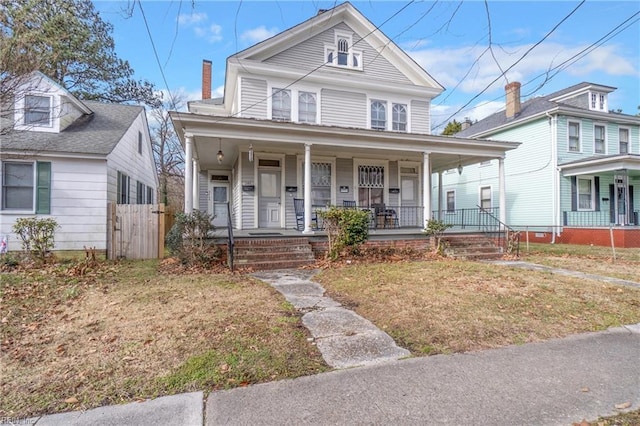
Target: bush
{"x": 346, "y": 228}
{"x": 37, "y": 235}
{"x": 435, "y": 228}
{"x": 188, "y": 239}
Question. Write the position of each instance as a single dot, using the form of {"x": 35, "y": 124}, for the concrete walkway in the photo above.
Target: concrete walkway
{"x": 344, "y": 338}
{"x": 567, "y": 272}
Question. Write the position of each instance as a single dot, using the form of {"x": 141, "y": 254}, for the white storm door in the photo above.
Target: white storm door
{"x": 269, "y": 199}
{"x": 220, "y": 200}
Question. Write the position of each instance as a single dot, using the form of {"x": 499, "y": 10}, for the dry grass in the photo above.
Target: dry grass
{"x": 449, "y": 306}
{"x": 128, "y": 332}
{"x": 590, "y": 259}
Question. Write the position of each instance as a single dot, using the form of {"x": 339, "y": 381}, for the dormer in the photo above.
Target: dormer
{"x": 586, "y": 96}
{"x": 341, "y": 53}
{"x": 41, "y": 105}
{"x": 598, "y": 101}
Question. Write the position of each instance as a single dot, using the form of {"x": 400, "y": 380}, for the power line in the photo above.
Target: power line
{"x": 515, "y": 63}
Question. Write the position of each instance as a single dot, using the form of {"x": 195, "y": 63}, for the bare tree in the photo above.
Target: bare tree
{"x": 167, "y": 151}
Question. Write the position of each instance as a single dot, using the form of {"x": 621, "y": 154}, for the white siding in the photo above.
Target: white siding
{"x": 203, "y": 191}
{"x": 253, "y": 97}
{"x": 126, "y": 159}
{"x": 347, "y": 109}
{"x": 78, "y": 204}
{"x": 344, "y": 177}
{"x": 309, "y": 55}
{"x": 248, "y": 197}
{"x": 291, "y": 179}
{"x": 420, "y": 117}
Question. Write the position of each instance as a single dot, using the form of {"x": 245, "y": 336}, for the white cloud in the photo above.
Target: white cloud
{"x": 193, "y": 18}
{"x": 258, "y": 34}
{"x": 450, "y": 66}
{"x": 212, "y": 33}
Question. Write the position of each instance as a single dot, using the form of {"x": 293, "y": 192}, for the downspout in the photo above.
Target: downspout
{"x": 555, "y": 202}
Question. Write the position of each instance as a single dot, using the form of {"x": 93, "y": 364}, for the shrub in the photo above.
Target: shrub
{"x": 346, "y": 228}
{"x": 37, "y": 235}
{"x": 435, "y": 228}
{"x": 188, "y": 239}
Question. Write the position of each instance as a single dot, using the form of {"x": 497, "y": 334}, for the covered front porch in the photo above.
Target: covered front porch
{"x": 260, "y": 167}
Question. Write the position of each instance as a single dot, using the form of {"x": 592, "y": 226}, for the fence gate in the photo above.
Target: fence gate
{"x": 136, "y": 231}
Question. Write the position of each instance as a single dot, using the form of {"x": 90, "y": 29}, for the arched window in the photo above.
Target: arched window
{"x": 378, "y": 115}
{"x": 343, "y": 52}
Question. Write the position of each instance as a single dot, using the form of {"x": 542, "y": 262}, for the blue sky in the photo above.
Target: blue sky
{"x": 449, "y": 39}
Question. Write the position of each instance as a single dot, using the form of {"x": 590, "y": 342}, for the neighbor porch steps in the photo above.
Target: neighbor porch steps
{"x": 272, "y": 253}
{"x": 471, "y": 247}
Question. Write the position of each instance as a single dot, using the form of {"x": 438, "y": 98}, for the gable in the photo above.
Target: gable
{"x": 309, "y": 55}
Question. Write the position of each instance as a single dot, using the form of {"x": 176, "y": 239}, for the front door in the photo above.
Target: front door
{"x": 269, "y": 198}
{"x": 220, "y": 199}
{"x": 621, "y": 200}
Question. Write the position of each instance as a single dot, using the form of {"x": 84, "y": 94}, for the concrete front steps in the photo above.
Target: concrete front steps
{"x": 471, "y": 247}
{"x": 272, "y": 253}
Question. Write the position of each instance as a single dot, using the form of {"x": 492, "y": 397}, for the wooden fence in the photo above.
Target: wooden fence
{"x": 136, "y": 231}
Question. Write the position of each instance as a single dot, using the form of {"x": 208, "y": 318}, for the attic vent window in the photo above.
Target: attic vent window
{"x": 597, "y": 101}
{"x": 341, "y": 54}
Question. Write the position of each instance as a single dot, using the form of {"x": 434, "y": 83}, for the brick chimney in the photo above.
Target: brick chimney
{"x": 206, "y": 79}
{"x": 513, "y": 99}
{"x": 466, "y": 123}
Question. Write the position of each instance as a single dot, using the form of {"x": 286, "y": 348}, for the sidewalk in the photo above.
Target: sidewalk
{"x": 551, "y": 383}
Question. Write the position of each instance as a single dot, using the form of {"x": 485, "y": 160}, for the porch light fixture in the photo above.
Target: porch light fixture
{"x": 220, "y": 154}
{"x": 459, "y": 169}
{"x": 251, "y": 153}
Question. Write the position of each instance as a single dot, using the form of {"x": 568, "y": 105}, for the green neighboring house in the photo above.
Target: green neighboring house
{"x": 575, "y": 175}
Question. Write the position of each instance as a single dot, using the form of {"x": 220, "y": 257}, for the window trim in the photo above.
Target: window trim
{"x": 579, "y": 124}
{"x": 33, "y": 186}
{"x": 38, "y": 124}
{"x": 628, "y": 142}
{"x": 317, "y": 159}
{"x": 593, "y": 193}
{"x": 357, "y": 162}
{"x": 604, "y": 140}
{"x": 121, "y": 196}
{"x": 598, "y": 101}
{"x": 40, "y": 188}
{"x": 353, "y": 55}
{"x": 300, "y": 93}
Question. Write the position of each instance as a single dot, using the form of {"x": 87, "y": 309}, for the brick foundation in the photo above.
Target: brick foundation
{"x": 625, "y": 238}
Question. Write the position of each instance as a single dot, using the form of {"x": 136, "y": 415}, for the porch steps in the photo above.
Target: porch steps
{"x": 471, "y": 247}
{"x": 273, "y": 253}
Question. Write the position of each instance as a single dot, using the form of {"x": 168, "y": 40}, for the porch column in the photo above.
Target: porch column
{"x": 188, "y": 173}
{"x": 503, "y": 194}
{"x": 439, "y": 195}
{"x": 196, "y": 179}
{"x": 426, "y": 187}
{"x": 307, "y": 189}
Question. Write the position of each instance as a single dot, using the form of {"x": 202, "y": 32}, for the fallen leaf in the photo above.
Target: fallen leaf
{"x": 623, "y": 406}
{"x": 72, "y": 400}
{"x": 584, "y": 389}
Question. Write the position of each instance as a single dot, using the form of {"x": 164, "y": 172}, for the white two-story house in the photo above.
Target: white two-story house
{"x": 575, "y": 175}
{"x": 331, "y": 112}
{"x": 67, "y": 159}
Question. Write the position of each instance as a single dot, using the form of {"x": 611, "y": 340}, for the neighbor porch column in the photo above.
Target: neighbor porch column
{"x": 307, "y": 189}
{"x": 188, "y": 173}
{"x": 503, "y": 193}
{"x": 426, "y": 187}
{"x": 439, "y": 195}
{"x": 196, "y": 179}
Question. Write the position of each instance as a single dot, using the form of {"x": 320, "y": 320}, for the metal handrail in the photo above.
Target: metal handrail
{"x": 504, "y": 240}
{"x": 230, "y": 244}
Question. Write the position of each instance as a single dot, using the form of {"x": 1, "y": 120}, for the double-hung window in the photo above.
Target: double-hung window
{"x": 123, "y": 189}
{"x": 149, "y": 195}
{"x": 281, "y": 104}
{"x": 574, "y": 137}
{"x": 307, "y": 108}
{"x": 378, "y": 115}
{"x": 451, "y": 201}
{"x": 140, "y": 192}
{"x": 599, "y": 139}
{"x": 585, "y": 194}
{"x": 37, "y": 110}
{"x": 623, "y": 135}
{"x": 485, "y": 197}
{"x": 399, "y": 117}
{"x": 21, "y": 187}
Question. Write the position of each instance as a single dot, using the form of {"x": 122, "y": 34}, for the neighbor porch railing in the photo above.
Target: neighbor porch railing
{"x": 593, "y": 219}
{"x": 477, "y": 218}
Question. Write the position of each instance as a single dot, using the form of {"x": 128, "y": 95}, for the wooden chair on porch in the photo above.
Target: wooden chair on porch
{"x": 298, "y": 206}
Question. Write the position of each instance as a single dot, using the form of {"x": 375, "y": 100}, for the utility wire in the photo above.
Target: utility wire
{"x": 515, "y": 63}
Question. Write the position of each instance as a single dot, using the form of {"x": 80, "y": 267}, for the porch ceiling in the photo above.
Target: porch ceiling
{"x": 234, "y": 135}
